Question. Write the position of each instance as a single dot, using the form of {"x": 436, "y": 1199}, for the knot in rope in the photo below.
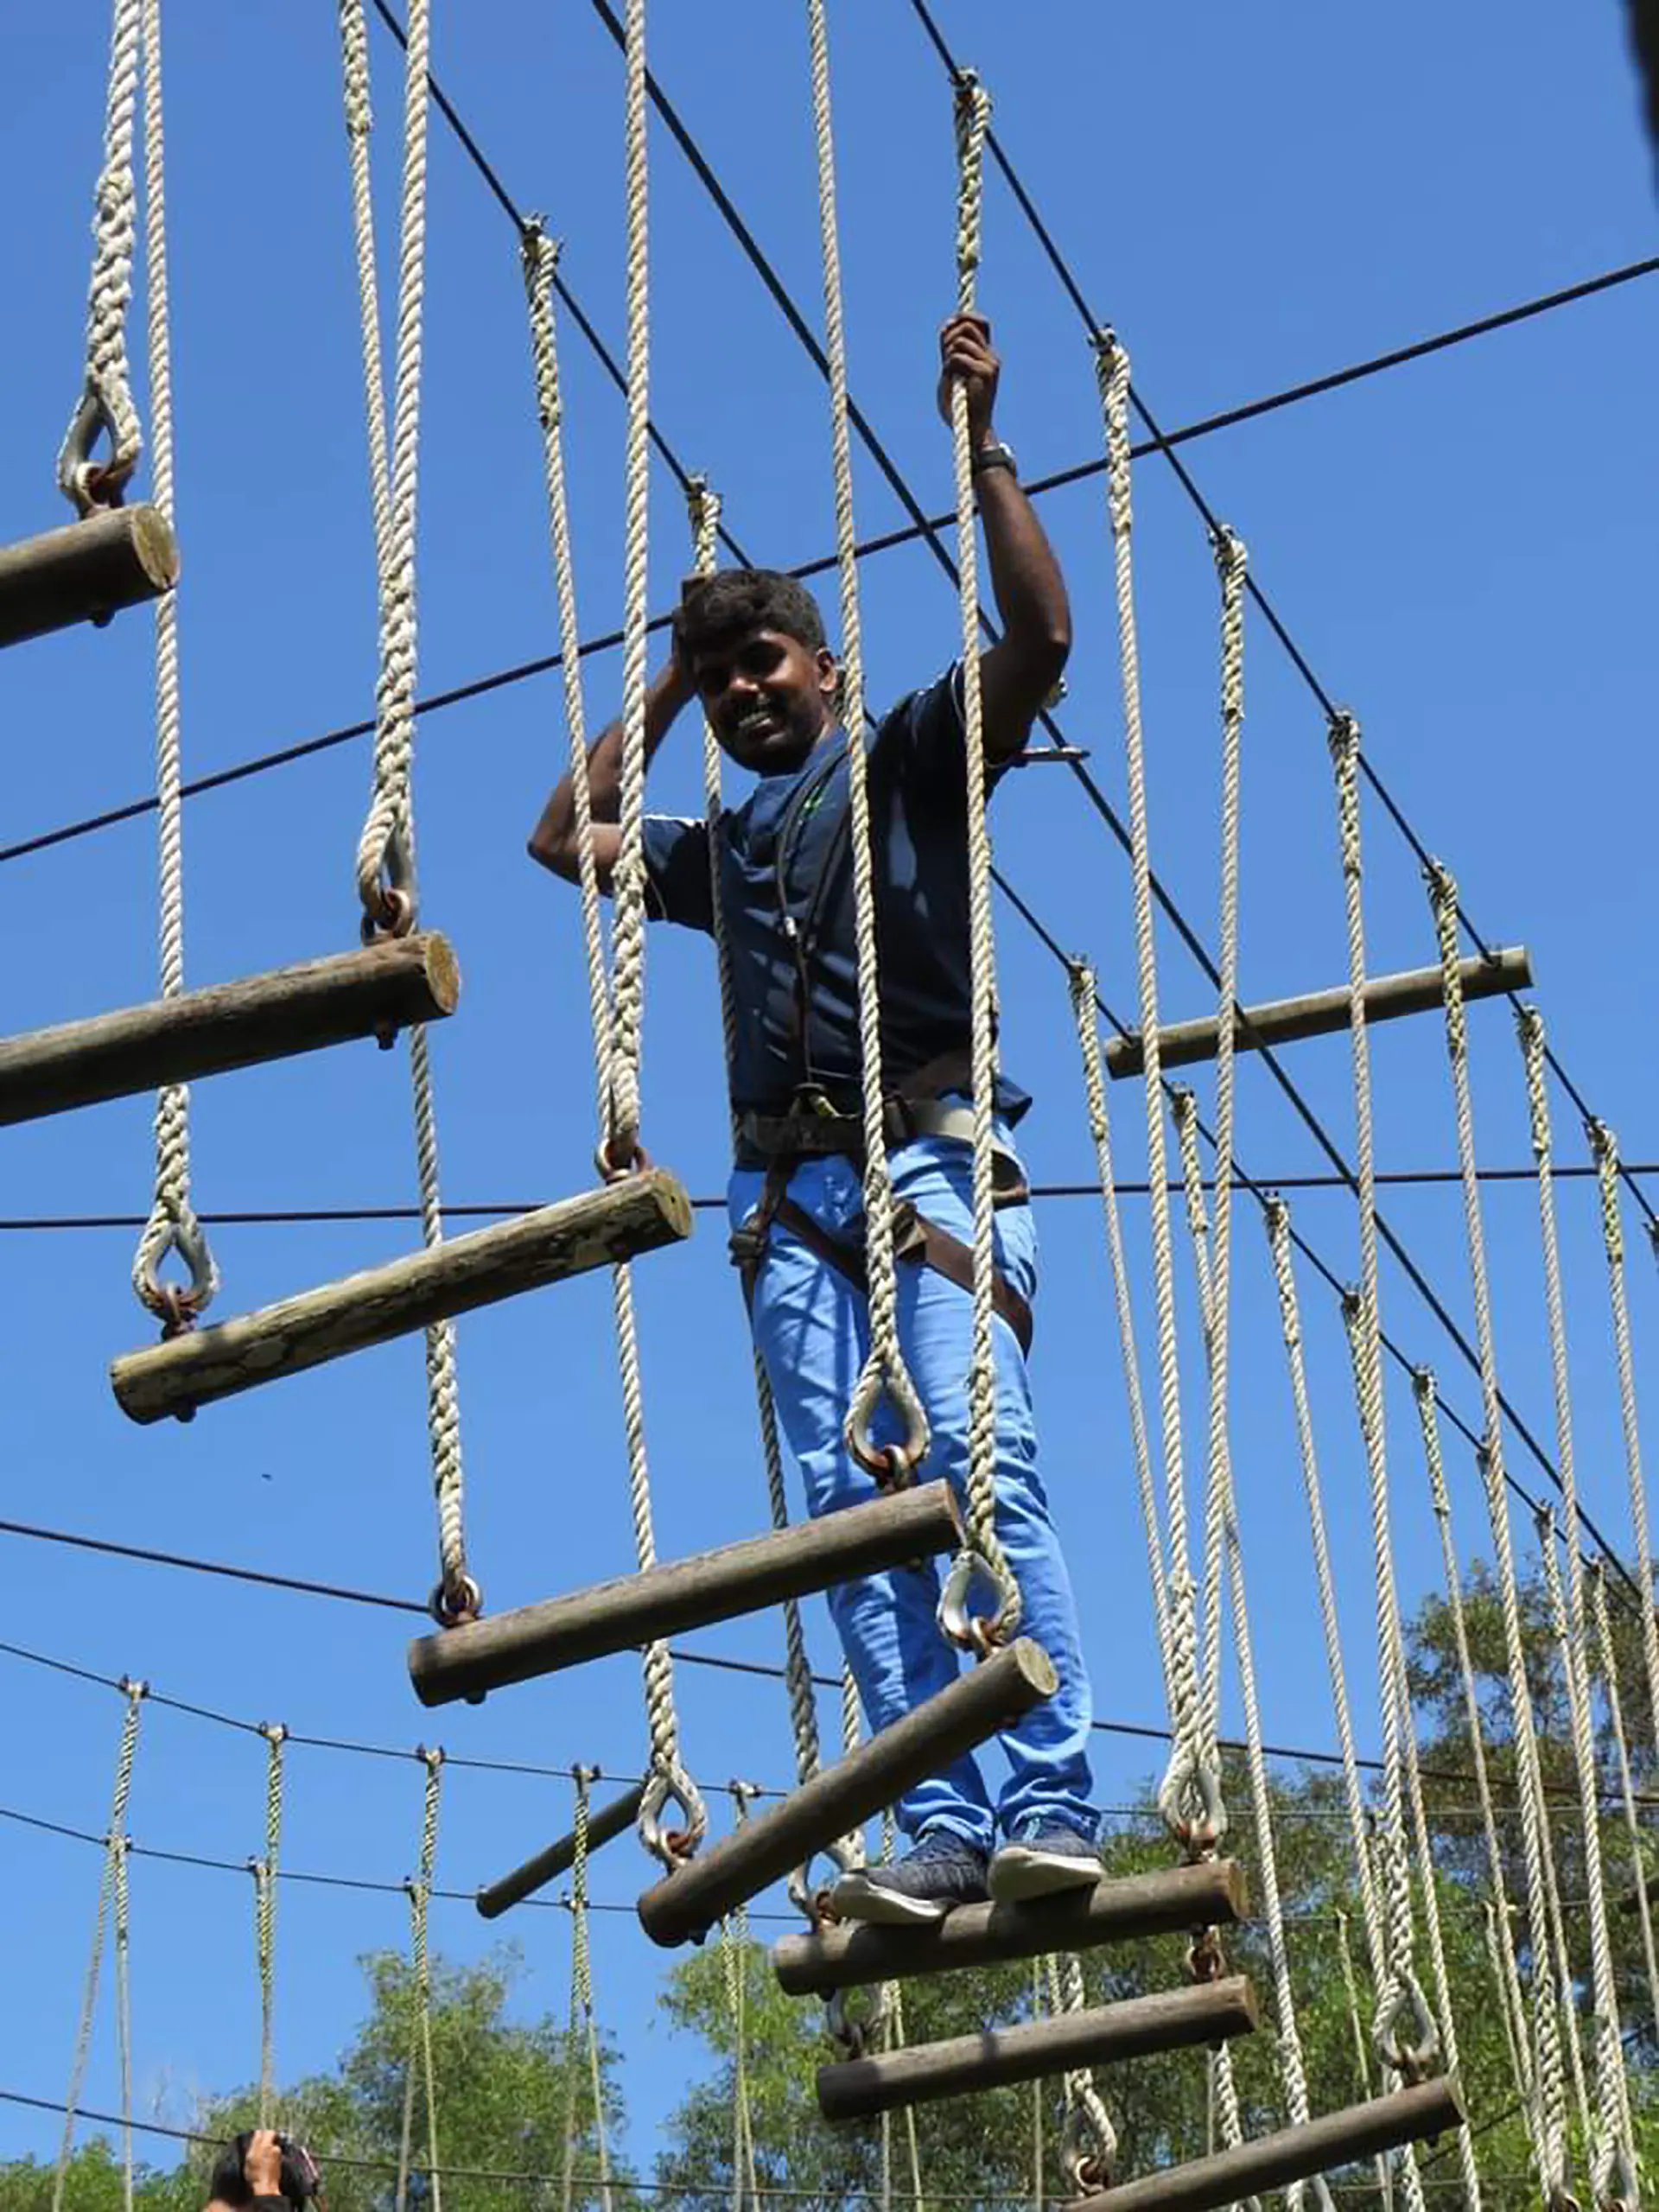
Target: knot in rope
{"x": 702, "y": 507}
{"x": 973, "y": 121}
{"x": 1343, "y": 737}
{"x": 1112, "y": 375}
{"x": 538, "y": 262}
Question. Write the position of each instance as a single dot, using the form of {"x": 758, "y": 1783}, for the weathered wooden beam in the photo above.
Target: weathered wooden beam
{"x": 1283, "y": 1021}
{"x": 1290, "y": 2154}
{"x": 954, "y": 1720}
{"x": 685, "y": 1593}
{"x": 590, "y": 1230}
{"x": 85, "y": 571}
{"x": 372, "y": 991}
{"x": 609, "y": 1822}
{"x": 1211, "y": 1894}
{"x": 858, "y": 2089}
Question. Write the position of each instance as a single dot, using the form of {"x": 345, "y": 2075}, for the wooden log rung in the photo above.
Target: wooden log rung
{"x": 372, "y": 991}
{"x": 85, "y": 571}
{"x": 684, "y": 1906}
{"x": 858, "y": 2089}
{"x": 685, "y": 1593}
{"x": 1320, "y": 1014}
{"x": 594, "y": 1230}
{"x": 1212, "y": 1894}
{"x": 604, "y": 1826}
{"x": 1290, "y": 2154}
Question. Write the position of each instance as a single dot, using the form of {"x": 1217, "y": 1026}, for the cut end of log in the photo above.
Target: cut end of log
{"x": 443, "y": 971}
{"x": 154, "y": 546}
{"x": 1035, "y": 1666}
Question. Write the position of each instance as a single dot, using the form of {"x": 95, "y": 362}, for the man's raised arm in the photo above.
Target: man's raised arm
{"x": 1019, "y": 672}
{"x": 553, "y": 841}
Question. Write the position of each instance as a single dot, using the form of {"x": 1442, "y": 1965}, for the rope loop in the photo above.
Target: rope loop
{"x": 670, "y": 1784}
{"x": 1193, "y": 1809}
{"x": 92, "y": 487}
{"x": 1088, "y": 2146}
{"x": 173, "y": 1230}
{"x": 978, "y": 1633}
{"x": 1412, "y": 2057}
{"x": 104, "y": 407}
{"x": 853, "y": 2033}
{"x": 893, "y": 1465}
{"x": 455, "y": 1601}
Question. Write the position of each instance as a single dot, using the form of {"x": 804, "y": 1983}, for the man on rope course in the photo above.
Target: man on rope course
{"x": 750, "y": 645}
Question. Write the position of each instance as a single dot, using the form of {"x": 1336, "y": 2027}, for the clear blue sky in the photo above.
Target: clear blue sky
{"x": 1464, "y": 548}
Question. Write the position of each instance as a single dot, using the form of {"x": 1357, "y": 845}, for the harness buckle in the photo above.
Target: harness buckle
{"x": 746, "y": 1244}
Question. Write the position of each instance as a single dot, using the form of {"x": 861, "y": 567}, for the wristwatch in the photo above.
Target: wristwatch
{"x": 994, "y": 455}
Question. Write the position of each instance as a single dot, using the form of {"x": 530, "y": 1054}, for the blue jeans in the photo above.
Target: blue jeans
{"x": 811, "y": 1328}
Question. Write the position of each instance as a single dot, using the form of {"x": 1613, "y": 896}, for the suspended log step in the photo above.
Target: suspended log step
{"x": 605, "y": 1826}
{"x": 85, "y": 571}
{"x": 1211, "y": 1894}
{"x": 372, "y": 991}
{"x": 955, "y": 1720}
{"x": 1320, "y": 1014}
{"x": 858, "y": 2089}
{"x": 687, "y": 1593}
{"x": 592, "y": 1230}
{"x": 1291, "y": 2154}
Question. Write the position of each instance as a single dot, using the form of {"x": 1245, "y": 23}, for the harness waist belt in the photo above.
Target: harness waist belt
{"x": 773, "y": 1137}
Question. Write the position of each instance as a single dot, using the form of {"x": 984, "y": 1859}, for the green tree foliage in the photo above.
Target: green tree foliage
{"x": 504, "y": 2087}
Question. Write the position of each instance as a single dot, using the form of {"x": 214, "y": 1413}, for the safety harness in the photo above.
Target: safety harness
{"x": 814, "y": 1126}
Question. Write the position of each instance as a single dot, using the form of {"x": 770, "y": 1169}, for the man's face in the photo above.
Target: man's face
{"x": 768, "y": 697}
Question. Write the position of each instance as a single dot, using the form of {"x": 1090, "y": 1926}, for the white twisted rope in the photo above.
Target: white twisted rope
{"x": 1089, "y": 2140}
{"x": 420, "y": 1895}
{"x": 1632, "y": 1823}
{"x": 1534, "y": 1836}
{"x": 1276, "y": 1219}
{"x": 1362, "y": 2051}
{"x": 1224, "y": 1509}
{"x": 983, "y": 1554}
{"x": 669, "y": 1780}
{"x": 628, "y": 880}
{"x": 105, "y": 405}
{"x": 387, "y": 846}
{"x": 1183, "y": 1114}
{"x": 1500, "y": 1940}
{"x": 1613, "y": 2161}
{"x": 1081, "y": 978}
{"x": 1189, "y": 1796}
{"x": 884, "y": 1374}
{"x": 703, "y": 504}
{"x": 735, "y": 1959}
{"x": 1399, "y": 1994}
{"x": 114, "y": 1873}
{"x": 385, "y": 858}
{"x": 263, "y": 1870}
{"x": 893, "y": 2012}
{"x": 1603, "y": 1147}
{"x": 173, "y": 1227}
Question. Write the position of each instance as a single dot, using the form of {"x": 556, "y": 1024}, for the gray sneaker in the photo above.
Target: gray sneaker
{"x": 1044, "y": 1857}
{"x": 943, "y": 1870}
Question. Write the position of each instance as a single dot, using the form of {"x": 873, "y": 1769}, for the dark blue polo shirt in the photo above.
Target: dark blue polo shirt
{"x": 786, "y": 901}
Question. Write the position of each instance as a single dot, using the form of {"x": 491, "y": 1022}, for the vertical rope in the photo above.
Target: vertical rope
{"x": 735, "y": 1959}
{"x": 122, "y": 1931}
{"x": 1627, "y": 1793}
{"x": 114, "y": 1852}
{"x": 669, "y": 1781}
{"x": 984, "y": 1550}
{"x": 703, "y": 505}
{"x": 1224, "y": 1509}
{"x": 884, "y": 1374}
{"x": 1547, "y": 2058}
{"x": 1399, "y": 1994}
{"x": 385, "y": 859}
{"x": 1081, "y": 978}
{"x": 1603, "y": 1147}
{"x": 1189, "y": 1796}
{"x": 419, "y": 1896}
{"x": 263, "y": 1870}
{"x": 1614, "y": 2157}
{"x": 628, "y": 881}
{"x": 581, "y": 1973}
{"x": 105, "y": 405}
{"x": 173, "y": 1227}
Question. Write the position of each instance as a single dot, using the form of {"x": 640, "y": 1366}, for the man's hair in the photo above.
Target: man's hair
{"x": 714, "y": 610}
{"x": 300, "y": 2182}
